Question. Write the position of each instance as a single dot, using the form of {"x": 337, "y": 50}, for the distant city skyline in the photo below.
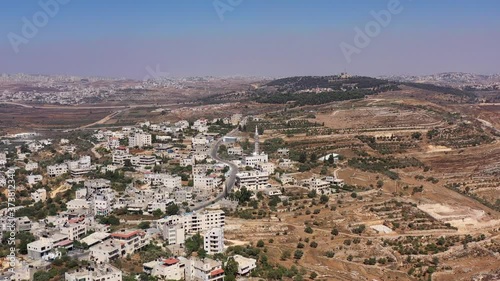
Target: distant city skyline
{"x": 248, "y": 38}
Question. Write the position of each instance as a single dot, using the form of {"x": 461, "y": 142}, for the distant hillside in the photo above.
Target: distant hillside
{"x": 312, "y": 90}
{"x": 461, "y": 80}
{"x": 443, "y": 89}
{"x": 334, "y": 82}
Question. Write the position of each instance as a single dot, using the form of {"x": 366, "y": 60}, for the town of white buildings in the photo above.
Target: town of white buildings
{"x": 125, "y": 172}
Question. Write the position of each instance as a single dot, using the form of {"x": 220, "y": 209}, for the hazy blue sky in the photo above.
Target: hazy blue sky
{"x": 256, "y": 37}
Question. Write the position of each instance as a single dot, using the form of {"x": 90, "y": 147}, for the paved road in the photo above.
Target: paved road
{"x": 230, "y": 181}
{"x": 49, "y": 106}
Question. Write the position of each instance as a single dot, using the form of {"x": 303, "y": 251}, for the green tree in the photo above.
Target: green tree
{"x": 285, "y": 255}
{"x": 172, "y": 210}
{"x": 298, "y": 254}
{"x": 157, "y": 213}
{"x": 231, "y": 269}
{"x": 380, "y": 183}
{"x": 144, "y": 225}
{"x": 194, "y": 243}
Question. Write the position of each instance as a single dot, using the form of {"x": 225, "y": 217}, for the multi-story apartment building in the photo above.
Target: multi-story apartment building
{"x": 183, "y": 195}
{"x": 80, "y": 167}
{"x": 96, "y": 186}
{"x": 252, "y": 180}
{"x": 213, "y": 241}
{"x": 143, "y": 160}
{"x": 166, "y": 180}
{"x": 201, "y": 169}
{"x": 205, "y": 183}
{"x": 57, "y": 170}
{"x": 106, "y": 251}
{"x": 195, "y": 222}
{"x": 174, "y": 234}
{"x": 139, "y": 140}
{"x": 132, "y": 240}
{"x": 101, "y": 205}
{"x": 120, "y": 157}
{"x": 74, "y": 230}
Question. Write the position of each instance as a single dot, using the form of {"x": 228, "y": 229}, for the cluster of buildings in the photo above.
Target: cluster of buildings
{"x": 137, "y": 151}
{"x": 76, "y": 168}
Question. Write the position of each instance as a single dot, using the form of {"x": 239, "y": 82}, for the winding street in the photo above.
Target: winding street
{"x": 230, "y": 180}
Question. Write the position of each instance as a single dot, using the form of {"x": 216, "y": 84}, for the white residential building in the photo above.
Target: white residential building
{"x": 100, "y": 204}
{"x": 234, "y": 151}
{"x": 159, "y": 205}
{"x": 33, "y": 179}
{"x": 101, "y": 272}
{"x": 131, "y": 240}
{"x": 183, "y": 195}
{"x": 267, "y": 167}
{"x": 256, "y": 159}
{"x": 316, "y": 184}
{"x": 74, "y": 230}
{"x": 96, "y": 186}
{"x": 165, "y": 269}
{"x": 252, "y": 180}
{"x": 199, "y": 140}
{"x": 328, "y": 156}
{"x": 205, "y": 183}
{"x": 174, "y": 234}
{"x": 57, "y": 170}
{"x": 195, "y": 222}
{"x": 285, "y": 163}
{"x": 77, "y": 204}
{"x": 213, "y": 241}
{"x": 39, "y": 195}
{"x": 105, "y": 251}
{"x": 283, "y": 152}
{"x": 139, "y": 140}
{"x": 80, "y": 167}
{"x": 166, "y": 180}
{"x": 40, "y": 248}
{"x": 245, "y": 265}
{"x": 143, "y": 160}
{"x": 202, "y": 269}
{"x": 120, "y": 157}
{"x": 183, "y": 124}
{"x": 31, "y": 166}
